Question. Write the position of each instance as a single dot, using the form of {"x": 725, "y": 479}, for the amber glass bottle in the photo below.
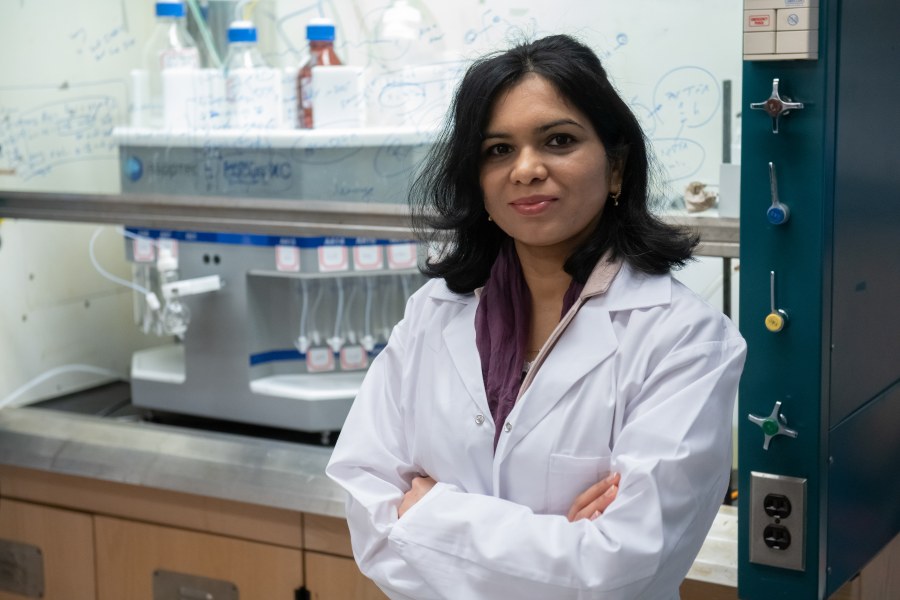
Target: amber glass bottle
{"x": 320, "y": 34}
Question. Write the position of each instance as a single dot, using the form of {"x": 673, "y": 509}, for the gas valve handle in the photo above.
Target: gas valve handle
{"x": 773, "y": 425}
{"x": 776, "y": 105}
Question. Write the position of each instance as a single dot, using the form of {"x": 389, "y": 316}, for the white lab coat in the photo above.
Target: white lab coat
{"x": 641, "y": 382}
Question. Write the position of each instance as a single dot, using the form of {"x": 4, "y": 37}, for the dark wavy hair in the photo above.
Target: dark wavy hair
{"x": 447, "y": 202}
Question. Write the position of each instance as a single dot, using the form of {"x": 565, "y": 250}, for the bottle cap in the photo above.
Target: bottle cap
{"x": 320, "y": 30}
{"x": 170, "y": 8}
{"x": 241, "y": 31}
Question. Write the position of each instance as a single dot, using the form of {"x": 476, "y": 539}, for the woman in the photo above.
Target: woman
{"x": 552, "y": 417}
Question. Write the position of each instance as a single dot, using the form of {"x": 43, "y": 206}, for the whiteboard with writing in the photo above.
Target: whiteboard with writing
{"x": 66, "y": 65}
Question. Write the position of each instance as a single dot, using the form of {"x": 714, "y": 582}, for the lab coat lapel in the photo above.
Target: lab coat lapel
{"x": 459, "y": 336}
{"x": 588, "y": 341}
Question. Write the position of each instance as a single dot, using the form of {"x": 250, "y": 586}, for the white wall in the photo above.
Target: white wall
{"x": 65, "y": 67}
{"x": 56, "y": 312}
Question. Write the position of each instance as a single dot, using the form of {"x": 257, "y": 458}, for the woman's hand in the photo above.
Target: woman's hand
{"x": 591, "y": 503}
{"x": 420, "y": 487}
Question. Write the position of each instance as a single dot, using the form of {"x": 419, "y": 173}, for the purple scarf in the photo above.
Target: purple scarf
{"x": 502, "y": 325}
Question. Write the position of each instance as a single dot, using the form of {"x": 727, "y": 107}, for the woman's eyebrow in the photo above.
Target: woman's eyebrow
{"x": 557, "y": 123}
{"x": 539, "y": 129}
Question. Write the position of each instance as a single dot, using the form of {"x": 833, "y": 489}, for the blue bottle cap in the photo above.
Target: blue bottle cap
{"x": 320, "y": 30}
{"x": 241, "y": 31}
{"x": 170, "y": 9}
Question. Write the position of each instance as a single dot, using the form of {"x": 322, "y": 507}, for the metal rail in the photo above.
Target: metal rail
{"x": 718, "y": 236}
{"x": 214, "y": 213}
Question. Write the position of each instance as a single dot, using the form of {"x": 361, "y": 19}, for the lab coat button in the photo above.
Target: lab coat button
{"x": 479, "y": 419}
{"x": 508, "y": 427}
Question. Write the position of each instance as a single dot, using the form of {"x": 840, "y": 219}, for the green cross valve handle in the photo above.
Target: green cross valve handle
{"x": 774, "y": 424}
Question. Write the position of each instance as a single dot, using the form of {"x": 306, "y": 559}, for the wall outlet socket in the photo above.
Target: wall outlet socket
{"x": 777, "y": 520}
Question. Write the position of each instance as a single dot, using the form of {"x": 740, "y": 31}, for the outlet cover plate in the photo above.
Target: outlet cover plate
{"x": 794, "y": 488}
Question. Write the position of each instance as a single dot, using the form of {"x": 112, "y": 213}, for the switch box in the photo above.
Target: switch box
{"x": 794, "y": 23}
{"x": 777, "y": 520}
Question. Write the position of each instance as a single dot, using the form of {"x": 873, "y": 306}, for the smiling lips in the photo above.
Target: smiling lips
{"x": 532, "y": 205}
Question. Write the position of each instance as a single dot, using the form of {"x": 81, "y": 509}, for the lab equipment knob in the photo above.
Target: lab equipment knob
{"x": 776, "y": 105}
{"x": 773, "y": 425}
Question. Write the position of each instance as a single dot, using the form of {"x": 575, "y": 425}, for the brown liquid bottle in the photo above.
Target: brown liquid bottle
{"x": 320, "y": 34}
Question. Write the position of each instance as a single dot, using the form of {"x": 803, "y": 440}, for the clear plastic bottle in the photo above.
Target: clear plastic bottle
{"x": 397, "y": 36}
{"x": 170, "y": 46}
{"x": 414, "y": 87}
{"x": 243, "y": 47}
{"x": 320, "y": 34}
{"x": 252, "y": 87}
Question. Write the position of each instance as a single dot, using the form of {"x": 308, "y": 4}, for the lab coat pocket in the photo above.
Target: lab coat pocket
{"x": 569, "y": 476}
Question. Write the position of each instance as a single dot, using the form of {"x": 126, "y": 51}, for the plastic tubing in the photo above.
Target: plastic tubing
{"x": 243, "y": 10}
{"x": 320, "y": 293}
{"x": 203, "y": 28}
{"x": 367, "y": 318}
{"x": 404, "y": 283}
{"x": 304, "y": 308}
{"x": 10, "y": 401}
{"x": 387, "y": 298}
{"x": 348, "y": 309}
{"x": 339, "y": 313}
{"x": 106, "y": 273}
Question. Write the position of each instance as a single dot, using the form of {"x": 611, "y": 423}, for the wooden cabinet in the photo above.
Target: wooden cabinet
{"x": 66, "y": 542}
{"x": 331, "y": 573}
{"x": 337, "y": 578}
{"x": 130, "y": 554}
{"x": 105, "y": 541}
{"x": 125, "y": 534}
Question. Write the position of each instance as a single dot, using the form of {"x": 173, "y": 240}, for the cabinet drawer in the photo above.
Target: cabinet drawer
{"x": 336, "y": 578}
{"x": 65, "y": 539}
{"x": 129, "y": 553}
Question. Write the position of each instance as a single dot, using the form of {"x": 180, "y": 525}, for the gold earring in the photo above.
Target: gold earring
{"x": 490, "y": 219}
{"x": 616, "y": 198}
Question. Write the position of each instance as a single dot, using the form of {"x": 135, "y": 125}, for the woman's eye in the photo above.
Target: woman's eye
{"x": 561, "y": 139}
{"x": 498, "y": 150}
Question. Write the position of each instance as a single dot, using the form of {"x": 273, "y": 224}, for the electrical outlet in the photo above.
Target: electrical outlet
{"x": 777, "y": 520}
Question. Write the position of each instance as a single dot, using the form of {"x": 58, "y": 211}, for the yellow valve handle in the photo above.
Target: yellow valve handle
{"x": 774, "y": 322}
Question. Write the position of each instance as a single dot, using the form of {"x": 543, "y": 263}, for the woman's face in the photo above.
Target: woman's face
{"x": 544, "y": 171}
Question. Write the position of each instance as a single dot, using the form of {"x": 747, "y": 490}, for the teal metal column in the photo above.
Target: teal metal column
{"x": 784, "y": 366}
{"x": 820, "y": 284}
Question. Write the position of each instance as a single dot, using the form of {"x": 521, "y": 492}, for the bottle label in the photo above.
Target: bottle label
{"x": 354, "y": 357}
{"x": 179, "y": 58}
{"x": 367, "y": 258}
{"x": 306, "y": 92}
{"x": 254, "y": 98}
{"x": 401, "y": 256}
{"x": 287, "y": 258}
{"x": 333, "y": 258}
{"x": 319, "y": 359}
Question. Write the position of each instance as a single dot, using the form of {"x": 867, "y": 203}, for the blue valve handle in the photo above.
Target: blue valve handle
{"x": 778, "y": 213}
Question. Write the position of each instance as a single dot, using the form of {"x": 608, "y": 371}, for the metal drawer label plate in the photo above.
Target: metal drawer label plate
{"x": 21, "y": 569}
{"x": 168, "y": 585}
